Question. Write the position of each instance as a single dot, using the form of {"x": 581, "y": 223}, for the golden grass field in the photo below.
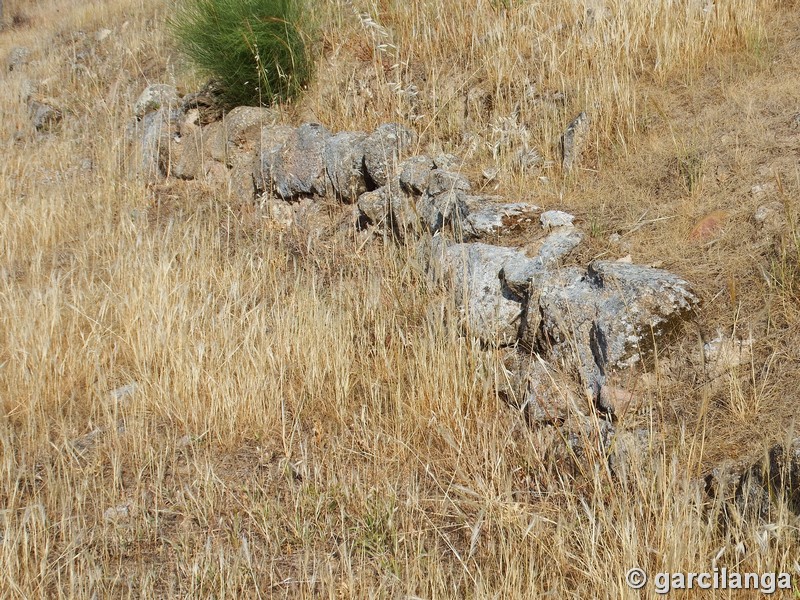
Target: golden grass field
{"x": 303, "y": 422}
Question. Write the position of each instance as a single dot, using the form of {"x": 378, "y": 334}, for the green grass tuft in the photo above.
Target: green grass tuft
{"x": 255, "y": 49}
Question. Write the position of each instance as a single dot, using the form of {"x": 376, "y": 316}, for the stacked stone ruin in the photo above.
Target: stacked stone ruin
{"x": 548, "y": 315}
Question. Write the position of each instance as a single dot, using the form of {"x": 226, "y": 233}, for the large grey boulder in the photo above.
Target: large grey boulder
{"x": 637, "y": 304}
{"x": 491, "y": 311}
{"x": 607, "y": 317}
{"x": 299, "y": 165}
{"x": 344, "y": 164}
{"x": 383, "y": 149}
{"x": 590, "y": 321}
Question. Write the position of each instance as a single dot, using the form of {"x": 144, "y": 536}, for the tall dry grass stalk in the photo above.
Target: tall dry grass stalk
{"x": 305, "y": 420}
{"x": 495, "y": 76}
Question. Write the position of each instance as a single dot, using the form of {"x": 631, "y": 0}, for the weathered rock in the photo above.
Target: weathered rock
{"x": 154, "y": 138}
{"x": 45, "y": 117}
{"x": 444, "y": 202}
{"x": 492, "y": 312}
{"x": 771, "y": 216}
{"x": 344, "y": 164}
{"x": 447, "y": 162}
{"x": 573, "y": 142}
{"x": 299, "y": 165}
{"x": 390, "y": 208}
{"x": 271, "y": 141}
{"x": 556, "y": 218}
{"x": 375, "y": 206}
{"x": 598, "y": 320}
{"x": 18, "y": 57}
{"x": 639, "y": 304}
{"x": 241, "y": 181}
{"x": 404, "y": 218}
{"x": 548, "y": 395}
{"x": 207, "y": 101}
{"x": 558, "y": 244}
{"x": 155, "y": 97}
{"x": 441, "y": 181}
{"x": 191, "y": 164}
{"x": 242, "y": 127}
{"x": 566, "y": 303}
{"x": 486, "y": 217}
{"x": 414, "y": 174}
{"x": 383, "y": 149}
{"x": 754, "y": 490}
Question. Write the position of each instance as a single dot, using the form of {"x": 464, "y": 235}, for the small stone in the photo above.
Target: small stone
{"x": 155, "y": 97}
{"x": 761, "y": 190}
{"x": 556, "y": 218}
{"x": 101, "y": 34}
{"x": 375, "y": 206}
{"x": 414, "y": 174}
{"x": 485, "y": 217}
{"x": 771, "y": 216}
{"x": 118, "y": 513}
{"x": 384, "y": 148}
{"x": 447, "y": 162}
{"x": 44, "y": 116}
{"x": 573, "y": 142}
{"x": 491, "y": 173}
{"x": 558, "y": 244}
{"x": 18, "y": 57}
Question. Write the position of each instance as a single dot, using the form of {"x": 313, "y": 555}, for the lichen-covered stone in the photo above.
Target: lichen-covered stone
{"x": 344, "y": 164}
{"x": 299, "y": 167}
{"x": 155, "y": 97}
{"x": 383, "y": 149}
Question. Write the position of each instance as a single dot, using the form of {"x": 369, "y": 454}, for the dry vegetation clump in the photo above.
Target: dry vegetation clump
{"x": 194, "y": 404}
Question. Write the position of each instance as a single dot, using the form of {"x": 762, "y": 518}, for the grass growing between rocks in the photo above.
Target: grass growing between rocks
{"x": 194, "y": 403}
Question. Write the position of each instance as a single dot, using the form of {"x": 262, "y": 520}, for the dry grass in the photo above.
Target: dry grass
{"x": 304, "y": 422}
